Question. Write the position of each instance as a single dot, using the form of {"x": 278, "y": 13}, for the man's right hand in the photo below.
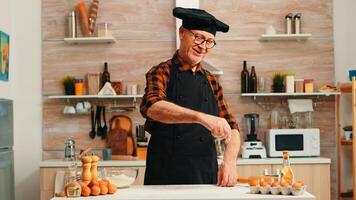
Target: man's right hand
{"x": 218, "y": 126}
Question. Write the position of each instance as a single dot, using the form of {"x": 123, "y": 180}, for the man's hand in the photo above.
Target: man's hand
{"x": 227, "y": 175}
{"x": 218, "y": 126}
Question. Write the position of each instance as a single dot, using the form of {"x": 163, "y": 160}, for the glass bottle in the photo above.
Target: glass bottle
{"x": 244, "y": 78}
{"x": 105, "y": 77}
{"x": 72, "y": 187}
{"x": 253, "y": 81}
{"x": 286, "y": 171}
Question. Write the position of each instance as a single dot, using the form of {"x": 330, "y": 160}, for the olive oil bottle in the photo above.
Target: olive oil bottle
{"x": 286, "y": 171}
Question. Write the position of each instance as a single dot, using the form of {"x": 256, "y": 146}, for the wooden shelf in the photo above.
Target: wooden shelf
{"x": 90, "y": 40}
{"x": 289, "y": 94}
{"x": 346, "y": 142}
{"x": 93, "y": 97}
{"x": 266, "y": 37}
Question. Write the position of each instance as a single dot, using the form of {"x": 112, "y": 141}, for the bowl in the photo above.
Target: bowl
{"x": 122, "y": 178}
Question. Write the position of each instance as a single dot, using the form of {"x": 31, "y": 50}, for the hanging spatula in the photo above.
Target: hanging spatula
{"x": 92, "y": 133}
{"x": 104, "y": 129}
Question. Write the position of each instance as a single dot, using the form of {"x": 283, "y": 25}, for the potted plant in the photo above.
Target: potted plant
{"x": 278, "y": 82}
{"x": 68, "y": 83}
{"x": 347, "y": 132}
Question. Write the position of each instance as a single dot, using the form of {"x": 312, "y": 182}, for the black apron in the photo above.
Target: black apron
{"x": 183, "y": 153}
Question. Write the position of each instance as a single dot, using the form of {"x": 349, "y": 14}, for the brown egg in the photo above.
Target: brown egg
{"x": 253, "y": 182}
{"x": 95, "y": 190}
{"x": 102, "y": 182}
{"x": 112, "y": 189}
{"x": 301, "y": 182}
{"x": 93, "y": 183}
{"x": 297, "y": 185}
{"x": 284, "y": 184}
{"x": 275, "y": 183}
{"x": 264, "y": 184}
{"x": 107, "y": 181}
{"x": 86, "y": 191}
{"x": 103, "y": 189}
{"x": 84, "y": 183}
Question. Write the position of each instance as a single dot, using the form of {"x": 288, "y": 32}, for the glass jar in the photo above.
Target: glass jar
{"x": 308, "y": 120}
{"x": 78, "y": 85}
{"x": 290, "y": 83}
{"x": 104, "y": 30}
{"x": 308, "y": 85}
{"x": 299, "y": 85}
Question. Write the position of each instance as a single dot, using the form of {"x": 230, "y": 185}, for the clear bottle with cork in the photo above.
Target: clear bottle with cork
{"x": 244, "y": 78}
{"x": 286, "y": 171}
{"x": 72, "y": 187}
{"x": 105, "y": 77}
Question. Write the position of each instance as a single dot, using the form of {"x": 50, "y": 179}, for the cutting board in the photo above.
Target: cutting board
{"x": 120, "y": 138}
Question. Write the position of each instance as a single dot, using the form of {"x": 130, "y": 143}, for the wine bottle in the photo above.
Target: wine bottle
{"x": 244, "y": 78}
{"x": 105, "y": 77}
{"x": 253, "y": 81}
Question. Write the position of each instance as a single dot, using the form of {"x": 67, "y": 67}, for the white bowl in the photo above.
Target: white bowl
{"x": 120, "y": 177}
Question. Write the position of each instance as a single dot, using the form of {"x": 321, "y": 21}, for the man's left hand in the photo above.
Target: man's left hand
{"x": 227, "y": 174}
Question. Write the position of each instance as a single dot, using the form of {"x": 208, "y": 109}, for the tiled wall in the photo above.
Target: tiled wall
{"x": 145, "y": 30}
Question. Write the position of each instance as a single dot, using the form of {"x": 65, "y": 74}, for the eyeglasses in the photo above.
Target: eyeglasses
{"x": 199, "y": 39}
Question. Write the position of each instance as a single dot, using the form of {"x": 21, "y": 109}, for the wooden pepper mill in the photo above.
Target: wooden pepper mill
{"x": 86, "y": 166}
{"x": 94, "y": 167}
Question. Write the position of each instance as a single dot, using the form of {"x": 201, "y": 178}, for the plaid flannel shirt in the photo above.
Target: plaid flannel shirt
{"x": 157, "y": 79}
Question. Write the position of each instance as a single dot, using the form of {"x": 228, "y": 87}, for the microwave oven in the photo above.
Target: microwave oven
{"x": 298, "y": 142}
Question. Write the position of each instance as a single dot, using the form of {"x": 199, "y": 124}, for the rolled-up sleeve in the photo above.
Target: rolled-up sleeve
{"x": 156, "y": 84}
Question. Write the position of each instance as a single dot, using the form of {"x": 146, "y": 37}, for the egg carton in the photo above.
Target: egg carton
{"x": 287, "y": 190}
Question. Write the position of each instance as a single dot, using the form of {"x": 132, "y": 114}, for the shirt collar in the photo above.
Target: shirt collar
{"x": 176, "y": 60}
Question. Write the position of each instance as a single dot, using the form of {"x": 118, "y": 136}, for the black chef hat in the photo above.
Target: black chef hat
{"x": 197, "y": 19}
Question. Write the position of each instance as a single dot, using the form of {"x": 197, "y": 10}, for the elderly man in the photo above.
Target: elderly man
{"x": 185, "y": 111}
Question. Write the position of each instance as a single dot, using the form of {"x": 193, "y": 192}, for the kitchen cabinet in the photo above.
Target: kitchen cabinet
{"x": 315, "y": 176}
{"x": 346, "y": 88}
{"x": 48, "y": 176}
{"x": 314, "y": 171}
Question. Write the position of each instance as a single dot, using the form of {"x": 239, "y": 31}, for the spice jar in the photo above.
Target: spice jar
{"x": 289, "y": 20}
{"x": 299, "y": 85}
{"x": 290, "y": 83}
{"x": 308, "y": 85}
{"x": 78, "y": 85}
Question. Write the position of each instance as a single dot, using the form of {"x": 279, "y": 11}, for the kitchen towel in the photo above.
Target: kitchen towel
{"x": 300, "y": 105}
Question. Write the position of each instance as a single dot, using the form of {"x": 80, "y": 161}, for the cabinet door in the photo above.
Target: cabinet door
{"x": 316, "y": 177}
{"x": 244, "y": 171}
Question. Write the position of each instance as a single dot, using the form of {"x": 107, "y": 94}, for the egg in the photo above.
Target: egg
{"x": 297, "y": 185}
{"x": 95, "y": 190}
{"x": 264, "y": 184}
{"x": 86, "y": 191}
{"x": 112, "y": 189}
{"x": 301, "y": 182}
{"x": 275, "y": 184}
{"x": 253, "y": 182}
{"x": 284, "y": 184}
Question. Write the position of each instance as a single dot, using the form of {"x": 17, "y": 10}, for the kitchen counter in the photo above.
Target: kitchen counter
{"x": 189, "y": 192}
{"x": 142, "y": 163}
